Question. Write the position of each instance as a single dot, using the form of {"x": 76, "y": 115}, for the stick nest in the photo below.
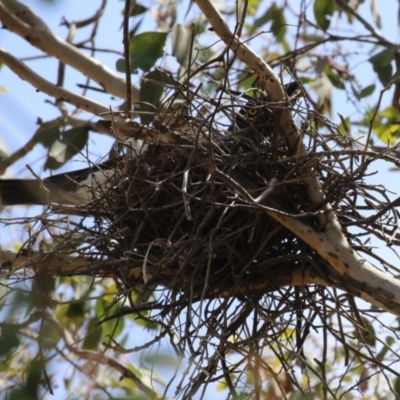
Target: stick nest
{"x": 191, "y": 217}
{"x": 184, "y": 216}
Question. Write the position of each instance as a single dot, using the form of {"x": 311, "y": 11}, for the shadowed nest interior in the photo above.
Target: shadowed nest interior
{"x": 185, "y": 216}
{"x": 179, "y": 217}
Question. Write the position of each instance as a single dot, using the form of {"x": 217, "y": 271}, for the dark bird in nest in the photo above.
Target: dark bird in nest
{"x": 256, "y": 112}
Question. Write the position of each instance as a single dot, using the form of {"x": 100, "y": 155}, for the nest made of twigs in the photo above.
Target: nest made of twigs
{"x": 185, "y": 217}
{"x": 178, "y": 217}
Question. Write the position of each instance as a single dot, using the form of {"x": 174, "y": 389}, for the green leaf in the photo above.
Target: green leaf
{"x": 343, "y": 128}
{"x": 182, "y": 38}
{"x": 306, "y": 79}
{"x": 396, "y": 386}
{"x": 161, "y": 358}
{"x": 384, "y": 57}
{"x": 367, "y": 91}
{"x": 311, "y": 37}
{"x": 375, "y": 13}
{"x": 150, "y": 93}
{"x": 262, "y": 20}
{"x": 303, "y": 395}
{"x": 384, "y": 74}
{"x": 334, "y": 77}
{"x": 278, "y": 26}
{"x": 381, "y": 355}
{"x": 137, "y": 10}
{"x": 94, "y": 335}
{"x": 135, "y": 28}
{"x": 355, "y": 92}
{"x": 76, "y": 139}
{"x": 323, "y": 11}
{"x": 321, "y": 64}
{"x": 145, "y": 49}
{"x": 48, "y": 137}
{"x": 382, "y": 65}
{"x": 50, "y": 334}
{"x": 71, "y": 143}
{"x": 252, "y": 7}
{"x": 114, "y": 326}
{"x": 76, "y": 310}
{"x": 182, "y": 41}
{"x": 8, "y": 338}
{"x": 33, "y": 380}
{"x": 368, "y": 335}
{"x": 388, "y": 134}
{"x": 385, "y": 127}
{"x": 286, "y": 47}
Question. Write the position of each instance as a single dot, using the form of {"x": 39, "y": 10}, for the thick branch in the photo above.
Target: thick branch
{"x": 55, "y": 264}
{"x": 360, "y": 277}
{"x": 47, "y": 87}
{"x": 21, "y": 20}
{"x": 46, "y": 263}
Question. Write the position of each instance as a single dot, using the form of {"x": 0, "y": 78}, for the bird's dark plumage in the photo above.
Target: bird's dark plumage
{"x": 291, "y": 88}
{"x": 256, "y": 113}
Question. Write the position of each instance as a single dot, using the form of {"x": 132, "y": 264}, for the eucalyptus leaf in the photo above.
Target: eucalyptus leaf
{"x": 150, "y": 93}
{"x": 323, "y": 11}
{"x": 62, "y": 150}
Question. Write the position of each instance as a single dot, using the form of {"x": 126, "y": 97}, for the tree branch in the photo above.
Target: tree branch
{"x": 59, "y": 93}
{"x": 62, "y": 265}
{"x": 21, "y": 20}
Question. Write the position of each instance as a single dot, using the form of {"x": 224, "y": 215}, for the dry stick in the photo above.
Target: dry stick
{"x": 374, "y": 33}
{"x": 127, "y": 57}
{"x": 186, "y": 171}
{"x": 100, "y": 358}
{"x": 59, "y": 93}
